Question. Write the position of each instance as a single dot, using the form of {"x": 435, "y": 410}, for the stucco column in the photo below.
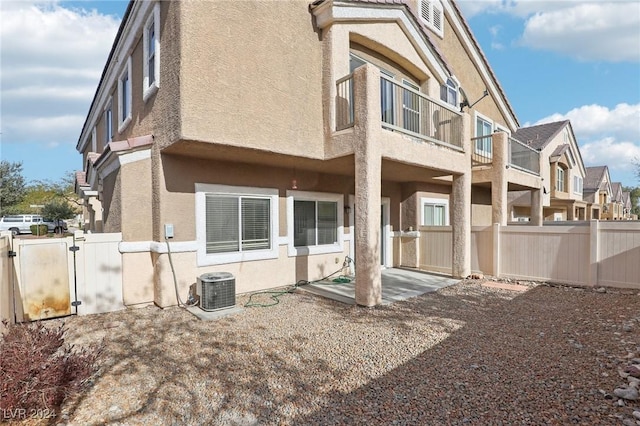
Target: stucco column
{"x": 536, "y": 207}
{"x": 461, "y": 212}
{"x": 499, "y": 182}
{"x": 368, "y": 176}
{"x": 461, "y": 225}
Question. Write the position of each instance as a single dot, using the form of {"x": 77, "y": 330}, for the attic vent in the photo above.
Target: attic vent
{"x": 426, "y": 10}
{"x": 432, "y": 14}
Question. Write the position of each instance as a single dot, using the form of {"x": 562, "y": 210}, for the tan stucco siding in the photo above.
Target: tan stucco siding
{"x": 182, "y": 173}
{"x": 136, "y": 202}
{"x": 111, "y": 202}
{"x": 469, "y": 76}
{"x": 257, "y": 85}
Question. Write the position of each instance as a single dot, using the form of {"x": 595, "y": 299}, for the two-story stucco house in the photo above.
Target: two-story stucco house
{"x": 597, "y": 192}
{"x": 562, "y": 171}
{"x": 273, "y": 140}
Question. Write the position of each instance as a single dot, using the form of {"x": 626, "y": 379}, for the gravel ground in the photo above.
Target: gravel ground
{"x": 467, "y": 354}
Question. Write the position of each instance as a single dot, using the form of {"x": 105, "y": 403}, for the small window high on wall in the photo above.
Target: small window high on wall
{"x": 432, "y": 15}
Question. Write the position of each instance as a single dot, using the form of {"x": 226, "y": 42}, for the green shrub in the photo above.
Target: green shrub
{"x": 39, "y": 370}
{"x": 39, "y": 229}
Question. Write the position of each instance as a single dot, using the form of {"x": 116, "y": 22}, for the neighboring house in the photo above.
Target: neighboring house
{"x": 616, "y": 206}
{"x": 272, "y": 140}
{"x": 562, "y": 170}
{"x": 626, "y": 206}
{"x": 597, "y": 192}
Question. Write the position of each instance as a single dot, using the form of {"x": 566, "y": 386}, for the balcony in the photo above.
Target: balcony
{"x": 520, "y": 156}
{"x": 404, "y": 110}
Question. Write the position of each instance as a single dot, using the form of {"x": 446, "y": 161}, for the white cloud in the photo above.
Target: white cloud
{"x": 595, "y": 121}
{"x": 588, "y": 30}
{"x": 617, "y": 155}
{"x": 606, "y": 136}
{"x": 52, "y": 59}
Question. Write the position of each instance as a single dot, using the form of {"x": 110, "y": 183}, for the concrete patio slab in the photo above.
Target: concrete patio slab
{"x": 397, "y": 284}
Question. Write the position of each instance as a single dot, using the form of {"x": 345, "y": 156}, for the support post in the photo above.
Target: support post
{"x": 496, "y": 249}
{"x": 536, "y": 207}
{"x": 594, "y": 253}
{"x": 499, "y": 181}
{"x": 368, "y": 178}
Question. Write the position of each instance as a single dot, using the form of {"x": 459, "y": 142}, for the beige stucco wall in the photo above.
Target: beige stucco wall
{"x": 270, "y": 96}
{"x": 468, "y": 76}
{"x": 480, "y": 206}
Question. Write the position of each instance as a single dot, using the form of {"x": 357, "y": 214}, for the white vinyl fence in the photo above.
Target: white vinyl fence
{"x": 594, "y": 253}
{"x": 52, "y": 277}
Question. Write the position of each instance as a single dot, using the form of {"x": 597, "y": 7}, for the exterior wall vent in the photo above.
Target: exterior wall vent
{"x": 217, "y": 290}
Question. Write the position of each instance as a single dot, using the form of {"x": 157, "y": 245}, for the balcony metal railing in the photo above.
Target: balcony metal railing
{"x": 408, "y": 111}
{"x": 523, "y": 157}
{"x": 344, "y": 102}
{"x": 405, "y": 110}
{"x": 482, "y": 151}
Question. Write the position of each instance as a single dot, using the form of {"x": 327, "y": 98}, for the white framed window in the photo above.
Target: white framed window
{"x": 151, "y": 54}
{"x": 435, "y": 211}
{"x": 577, "y": 185}
{"x": 108, "y": 122}
{"x": 124, "y": 97}
{"x": 449, "y": 92}
{"x": 484, "y": 130}
{"x": 560, "y": 178}
{"x": 235, "y": 224}
{"x": 432, "y": 14}
{"x": 315, "y": 222}
{"x": 94, "y": 140}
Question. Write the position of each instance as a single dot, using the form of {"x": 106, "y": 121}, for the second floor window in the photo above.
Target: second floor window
{"x": 449, "y": 92}
{"x": 560, "y": 179}
{"x": 151, "y": 54}
{"x": 108, "y": 124}
{"x": 124, "y": 97}
{"x": 577, "y": 184}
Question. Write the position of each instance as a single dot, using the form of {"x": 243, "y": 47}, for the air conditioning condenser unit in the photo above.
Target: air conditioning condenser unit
{"x": 217, "y": 290}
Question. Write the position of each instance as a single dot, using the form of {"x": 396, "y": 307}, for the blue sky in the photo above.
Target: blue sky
{"x": 556, "y": 60}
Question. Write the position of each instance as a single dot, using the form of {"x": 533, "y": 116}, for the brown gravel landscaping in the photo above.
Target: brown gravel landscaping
{"x": 467, "y": 354}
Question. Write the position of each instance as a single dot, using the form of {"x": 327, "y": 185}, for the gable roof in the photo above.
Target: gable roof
{"x": 616, "y": 188}
{"x": 539, "y": 136}
{"x": 593, "y": 178}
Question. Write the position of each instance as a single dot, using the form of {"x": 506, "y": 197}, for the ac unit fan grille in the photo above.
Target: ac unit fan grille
{"x": 216, "y": 293}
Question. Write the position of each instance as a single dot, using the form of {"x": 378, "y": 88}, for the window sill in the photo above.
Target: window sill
{"x": 313, "y": 250}
{"x": 205, "y": 259}
{"x": 124, "y": 124}
{"x": 150, "y": 91}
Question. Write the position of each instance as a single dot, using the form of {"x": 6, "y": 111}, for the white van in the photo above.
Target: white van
{"x": 21, "y": 223}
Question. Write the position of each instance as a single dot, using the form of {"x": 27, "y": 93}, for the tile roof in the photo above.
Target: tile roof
{"x": 81, "y": 178}
{"x": 593, "y": 178}
{"x": 539, "y": 136}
